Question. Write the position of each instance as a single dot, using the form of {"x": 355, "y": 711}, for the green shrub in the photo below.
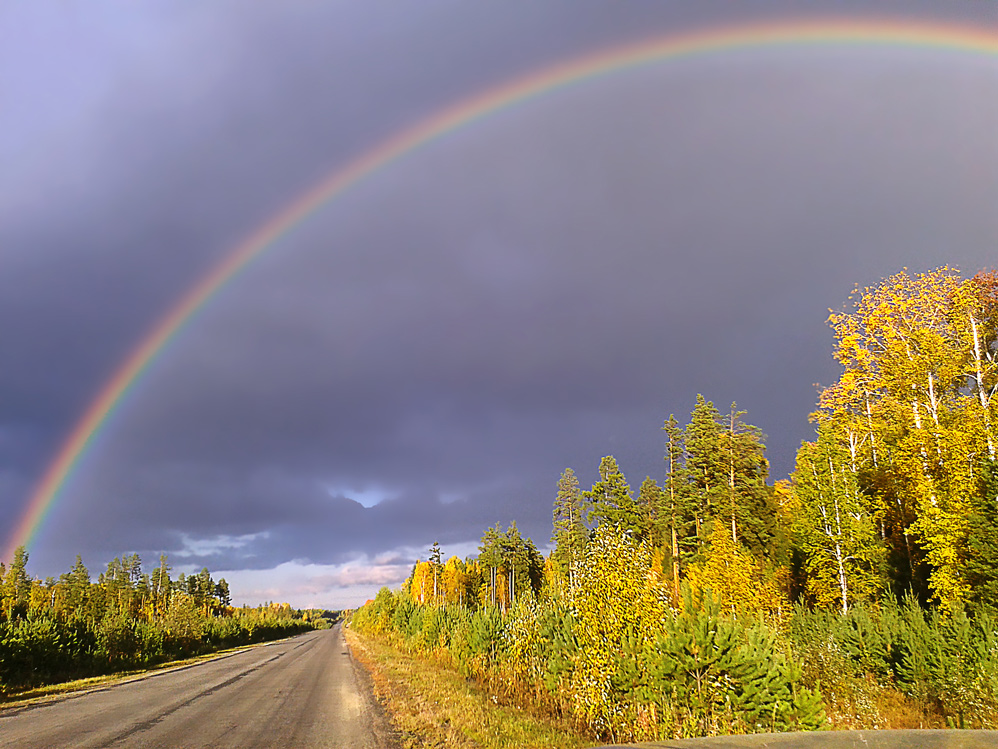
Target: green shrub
{"x": 709, "y": 675}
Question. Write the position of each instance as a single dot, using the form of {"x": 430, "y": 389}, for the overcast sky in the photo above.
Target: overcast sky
{"x": 424, "y": 356}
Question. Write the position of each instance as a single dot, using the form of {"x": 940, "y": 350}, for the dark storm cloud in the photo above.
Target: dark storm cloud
{"x": 535, "y": 291}
{"x": 505, "y": 321}
{"x": 262, "y": 520}
{"x": 139, "y": 145}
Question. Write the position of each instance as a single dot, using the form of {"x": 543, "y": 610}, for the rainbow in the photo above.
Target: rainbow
{"x": 826, "y": 32}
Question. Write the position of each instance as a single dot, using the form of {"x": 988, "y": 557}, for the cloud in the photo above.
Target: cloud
{"x": 207, "y": 547}
{"x": 353, "y": 575}
{"x": 423, "y": 357}
{"x": 367, "y": 497}
{"x": 314, "y": 586}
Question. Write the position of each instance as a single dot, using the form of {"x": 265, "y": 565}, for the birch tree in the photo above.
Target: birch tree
{"x": 918, "y": 356}
{"x": 836, "y": 526}
{"x": 977, "y": 315}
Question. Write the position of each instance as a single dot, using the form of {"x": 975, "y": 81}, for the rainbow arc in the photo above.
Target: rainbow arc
{"x": 790, "y": 34}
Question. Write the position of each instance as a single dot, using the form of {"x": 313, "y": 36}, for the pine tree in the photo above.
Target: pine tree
{"x": 610, "y": 499}
{"x": 727, "y": 470}
{"x": 705, "y": 464}
{"x": 649, "y": 505}
{"x": 17, "y": 584}
{"x": 435, "y": 564}
{"x": 514, "y": 559}
{"x": 677, "y": 507}
{"x": 535, "y": 565}
{"x": 490, "y": 558}
{"x": 160, "y": 586}
{"x": 569, "y": 533}
{"x": 751, "y": 505}
{"x": 204, "y": 591}
{"x": 78, "y": 581}
{"x": 222, "y": 593}
{"x": 515, "y": 566}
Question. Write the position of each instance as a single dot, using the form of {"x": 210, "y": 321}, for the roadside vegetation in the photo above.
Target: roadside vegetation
{"x": 432, "y": 704}
{"x": 71, "y": 628}
{"x": 861, "y": 593}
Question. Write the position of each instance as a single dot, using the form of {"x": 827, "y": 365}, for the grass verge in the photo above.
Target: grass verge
{"x": 432, "y": 705}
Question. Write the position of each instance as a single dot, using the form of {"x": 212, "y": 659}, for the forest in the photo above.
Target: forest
{"x": 860, "y": 592}
{"x": 71, "y": 627}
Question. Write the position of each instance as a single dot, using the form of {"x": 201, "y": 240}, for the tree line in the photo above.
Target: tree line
{"x": 72, "y": 626}
{"x": 861, "y": 592}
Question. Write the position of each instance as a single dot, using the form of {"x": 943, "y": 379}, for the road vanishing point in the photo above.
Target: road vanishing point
{"x": 302, "y": 692}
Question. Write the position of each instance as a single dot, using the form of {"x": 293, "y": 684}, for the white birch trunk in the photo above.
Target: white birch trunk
{"x": 985, "y": 400}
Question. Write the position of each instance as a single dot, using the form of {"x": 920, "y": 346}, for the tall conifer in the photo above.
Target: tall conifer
{"x": 610, "y": 499}
{"x": 569, "y": 532}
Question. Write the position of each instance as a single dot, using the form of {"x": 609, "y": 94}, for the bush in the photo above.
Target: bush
{"x": 946, "y": 662}
{"x": 708, "y": 674}
{"x": 30, "y": 651}
{"x": 118, "y": 644}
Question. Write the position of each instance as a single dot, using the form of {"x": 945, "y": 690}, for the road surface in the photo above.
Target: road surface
{"x": 302, "y": 692}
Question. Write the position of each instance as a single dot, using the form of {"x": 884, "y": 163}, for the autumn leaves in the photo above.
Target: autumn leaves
{"x": 905, "y": 439}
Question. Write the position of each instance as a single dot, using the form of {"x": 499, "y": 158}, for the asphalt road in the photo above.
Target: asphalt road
{"x": 302, "y": 692}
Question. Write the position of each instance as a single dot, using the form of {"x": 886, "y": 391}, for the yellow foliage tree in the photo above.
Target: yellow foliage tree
{"x": 915, "y": 404}
{"x": 737, "y": 582}
{"x": 421, "y": 583}
{"x": 616, "y": 595}
{"x": 836, "y": 526}
{"x": 455, "y": 581}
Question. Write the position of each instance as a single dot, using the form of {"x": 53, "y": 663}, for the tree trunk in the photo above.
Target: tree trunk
{"x": 984, "y": 400}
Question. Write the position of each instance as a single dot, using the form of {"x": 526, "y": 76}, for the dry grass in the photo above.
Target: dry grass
{"x": 432, "y": 705}
{"x": 857, "y": 703}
